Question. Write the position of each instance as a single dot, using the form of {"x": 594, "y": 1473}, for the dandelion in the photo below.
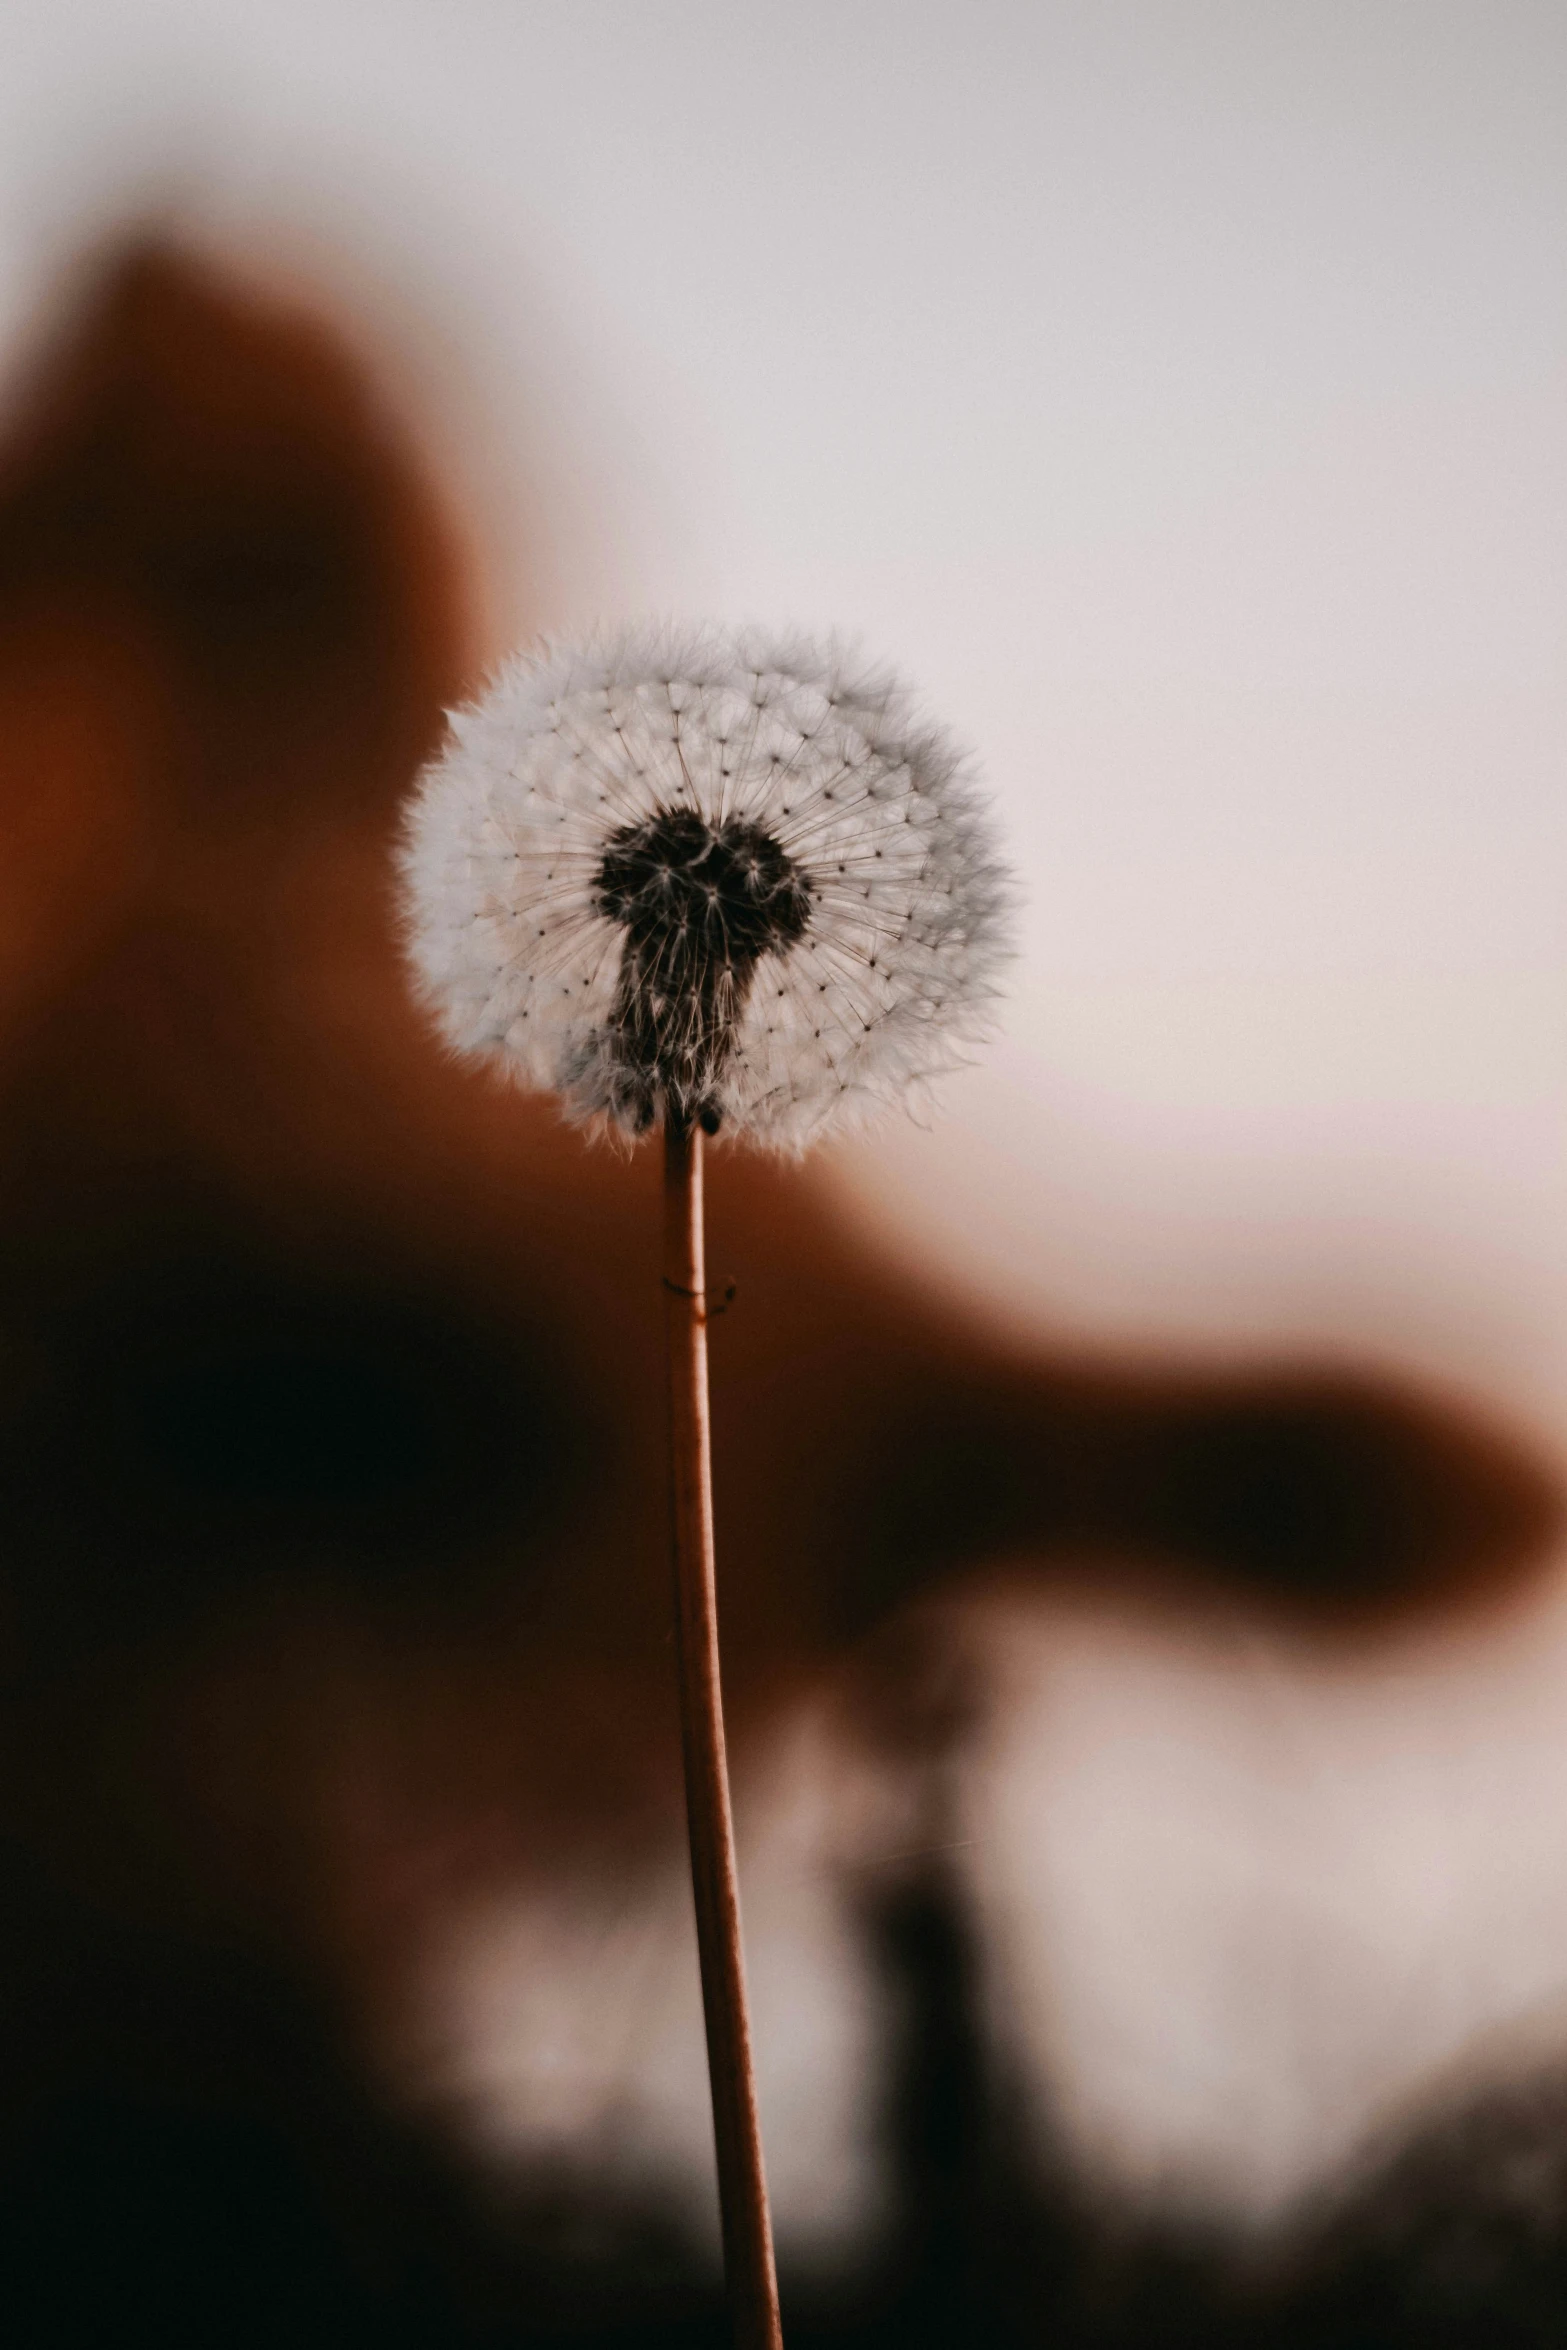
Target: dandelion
{"x": 724, "y": 884}
{"x": 737, "y": 879}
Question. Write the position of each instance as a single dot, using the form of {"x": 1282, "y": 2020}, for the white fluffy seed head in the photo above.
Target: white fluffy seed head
{"x": 733, "y": 879}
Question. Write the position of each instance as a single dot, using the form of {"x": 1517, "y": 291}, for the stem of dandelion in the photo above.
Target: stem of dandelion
{"x": 742, "y": 2184}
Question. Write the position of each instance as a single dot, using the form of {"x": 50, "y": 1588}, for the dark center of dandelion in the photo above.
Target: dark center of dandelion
{"x": 700, "y": 904}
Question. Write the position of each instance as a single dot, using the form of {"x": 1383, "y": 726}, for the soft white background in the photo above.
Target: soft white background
{"x": 1176, "y": 389}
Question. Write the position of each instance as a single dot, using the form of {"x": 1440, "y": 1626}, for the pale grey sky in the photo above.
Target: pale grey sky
{"x": 1175, "y": 388}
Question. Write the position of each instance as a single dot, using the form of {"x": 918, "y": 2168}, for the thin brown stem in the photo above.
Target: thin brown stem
{"x": 742, "y": 2185}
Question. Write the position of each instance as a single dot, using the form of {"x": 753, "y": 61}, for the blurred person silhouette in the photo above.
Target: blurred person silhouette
{"x": 333, "y": 1599}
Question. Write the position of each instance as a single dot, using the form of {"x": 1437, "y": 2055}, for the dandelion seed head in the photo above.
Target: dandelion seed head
{"x": 617, "y": 842}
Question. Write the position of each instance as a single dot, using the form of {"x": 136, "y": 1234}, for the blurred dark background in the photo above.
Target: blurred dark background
{"x": 1139, "y": 1492}
{"x": 333, "y": 1564}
